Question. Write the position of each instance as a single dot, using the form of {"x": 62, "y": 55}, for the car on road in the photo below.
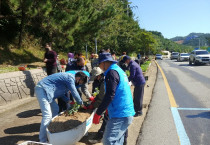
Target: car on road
{"x": 199, "y": 57}
{"x": 174, "y": 55}
{"x": 159, "y": 56}
{"x": 183, "y": 57}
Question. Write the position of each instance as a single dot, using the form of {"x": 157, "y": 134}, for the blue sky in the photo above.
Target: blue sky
{"x": 173, "y": 17}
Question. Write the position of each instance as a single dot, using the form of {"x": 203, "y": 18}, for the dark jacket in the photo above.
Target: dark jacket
{"x": 51, "y": 57}
{"x": 100, "y": 85}
{"x": 136, "y": 75}
{"x": 74, "y": 66}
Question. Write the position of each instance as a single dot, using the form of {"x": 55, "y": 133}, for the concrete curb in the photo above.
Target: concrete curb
{"x": 134, "y": 129}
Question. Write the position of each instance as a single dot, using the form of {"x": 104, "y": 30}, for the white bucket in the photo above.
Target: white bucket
{"x": 33, "y": 143}
{"x": 70, "y": 137}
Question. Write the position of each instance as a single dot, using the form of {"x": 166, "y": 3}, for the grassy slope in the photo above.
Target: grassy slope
{"x": 11, "y": 59}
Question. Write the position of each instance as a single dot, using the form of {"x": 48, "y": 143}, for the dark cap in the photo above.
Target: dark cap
{"x": 126, "y": 58}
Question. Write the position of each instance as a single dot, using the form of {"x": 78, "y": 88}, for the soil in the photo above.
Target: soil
{"x": 64, "y": 123}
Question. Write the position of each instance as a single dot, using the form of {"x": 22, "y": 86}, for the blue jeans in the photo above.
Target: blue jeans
{"x": 48, "y": 110}
{"x": 115, "y": 130}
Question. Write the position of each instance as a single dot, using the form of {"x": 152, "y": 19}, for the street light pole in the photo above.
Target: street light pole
{"x": 96, "y": 44}
{"x": 86, "y": 51}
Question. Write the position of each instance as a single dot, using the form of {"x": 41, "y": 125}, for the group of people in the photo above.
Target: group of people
{"x": 114, "y": 101}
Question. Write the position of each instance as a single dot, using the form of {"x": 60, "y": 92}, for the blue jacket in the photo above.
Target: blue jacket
{"x": 136, "y": 75}
{"x": 58, "y": 84}
{"x": 122, "y": 104}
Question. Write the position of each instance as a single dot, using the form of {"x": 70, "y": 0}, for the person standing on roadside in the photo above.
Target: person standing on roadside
{"x": 138, "y": 80}
{"x": 118, "y": 100}
{"x": 50, "y": 58}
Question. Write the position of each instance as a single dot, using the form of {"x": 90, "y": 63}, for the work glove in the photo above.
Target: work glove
{"x": 90, "y": 107}
{"x": 96, "y": 118}
{"x": 84, "y": 107}
{"x": 92, "y": 99}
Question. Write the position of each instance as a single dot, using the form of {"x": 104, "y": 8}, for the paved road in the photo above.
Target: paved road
{"x": 190, "y": 86}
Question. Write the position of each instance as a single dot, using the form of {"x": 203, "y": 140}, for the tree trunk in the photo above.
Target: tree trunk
{"x": 21, "y": 25}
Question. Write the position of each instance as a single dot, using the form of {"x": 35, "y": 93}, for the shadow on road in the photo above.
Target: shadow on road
{"x": 12, "y": 140}
{"x": 23, "y": 129}
{"x": 200, "y": 115}
{"x": 29, "y": 113}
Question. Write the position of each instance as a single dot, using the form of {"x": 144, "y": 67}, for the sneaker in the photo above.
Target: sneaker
{"x": 97, "y": 138}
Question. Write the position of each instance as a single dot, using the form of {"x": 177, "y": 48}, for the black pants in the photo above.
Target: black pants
{"x": 51, "y": 70}
{"x": 138, "y": 98}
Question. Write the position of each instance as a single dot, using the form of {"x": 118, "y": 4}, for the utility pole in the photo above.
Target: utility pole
{"x": 96, "y": 44}
{"x": 86, "y": 52}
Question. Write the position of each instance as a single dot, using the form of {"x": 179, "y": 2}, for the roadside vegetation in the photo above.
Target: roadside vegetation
{"x": 145, "y": 66}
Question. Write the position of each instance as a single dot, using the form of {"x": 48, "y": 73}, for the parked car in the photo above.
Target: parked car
{"x": 174, "y": 55}
{"x": 183, "y": 57}
{"x": 158, "y": 56}
{"x": 199, "y": 57}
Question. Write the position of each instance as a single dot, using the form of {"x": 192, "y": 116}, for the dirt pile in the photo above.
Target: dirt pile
{"x": 64, "y": 123}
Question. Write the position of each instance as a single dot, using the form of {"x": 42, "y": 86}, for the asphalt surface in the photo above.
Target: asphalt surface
{"x": 190, "y": 86}
{"x": 158, "y": 127}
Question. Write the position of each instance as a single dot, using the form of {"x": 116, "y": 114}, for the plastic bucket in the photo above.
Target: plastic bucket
{"x": 70, "y": 137}
{"x": 33, "y": 143}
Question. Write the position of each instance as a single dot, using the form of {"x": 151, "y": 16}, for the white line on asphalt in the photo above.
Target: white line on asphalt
{"x": 193, "y": 109}
{"x": 183, "y": 138}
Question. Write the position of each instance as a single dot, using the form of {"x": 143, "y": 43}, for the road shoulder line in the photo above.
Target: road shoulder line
{"x": 170, "y": 94}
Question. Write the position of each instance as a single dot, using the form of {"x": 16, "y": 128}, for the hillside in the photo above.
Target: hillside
{"x": 193, "y": 39}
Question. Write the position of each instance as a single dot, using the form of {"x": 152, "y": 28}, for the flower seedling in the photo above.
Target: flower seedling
{"x": 72, "y": 110}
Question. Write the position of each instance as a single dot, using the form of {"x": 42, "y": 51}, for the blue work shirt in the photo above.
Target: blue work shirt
{"x": 58, "y": 84}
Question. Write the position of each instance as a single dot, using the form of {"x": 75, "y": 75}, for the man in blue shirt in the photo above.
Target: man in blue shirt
{"x": 52, "y": 87}
{"x": 117, "y": 99}
{"x": 138, "y": 80}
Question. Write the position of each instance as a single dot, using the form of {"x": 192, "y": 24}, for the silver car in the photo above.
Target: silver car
{"x": 158, "y": 56}
{"x": 183, "y": 57}
{"x": 174, "y": 55}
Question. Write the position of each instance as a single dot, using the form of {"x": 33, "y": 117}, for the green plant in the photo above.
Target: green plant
{"x": 72, "y": 110}
{"x": 145, "y": 66}
{"x": 96, "y": 92}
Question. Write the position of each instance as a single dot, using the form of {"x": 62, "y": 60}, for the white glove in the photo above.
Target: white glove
{"x": 129, "y": 83}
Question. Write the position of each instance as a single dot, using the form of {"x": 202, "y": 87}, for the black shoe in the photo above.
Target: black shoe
{"x": 97, "y": 138}
{"x": 138, "y": 114}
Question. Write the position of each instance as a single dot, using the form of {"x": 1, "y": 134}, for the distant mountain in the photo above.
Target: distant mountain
{"x": 193, "y": 39}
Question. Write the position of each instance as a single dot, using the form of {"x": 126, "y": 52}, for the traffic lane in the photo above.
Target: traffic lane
{"x": 200, "y": 73}
{"x": 194, "y": 122}
{"x": 158, "y": 127}
{"x": 197, "y": 125}
{"x": 187, "y": 90}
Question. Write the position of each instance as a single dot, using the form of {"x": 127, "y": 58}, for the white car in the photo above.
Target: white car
{"x": 183, "y": 57}
{"x": 174, "y": 55}
{"x": 199, "y": 57}
{"x": 158, "y": 56}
